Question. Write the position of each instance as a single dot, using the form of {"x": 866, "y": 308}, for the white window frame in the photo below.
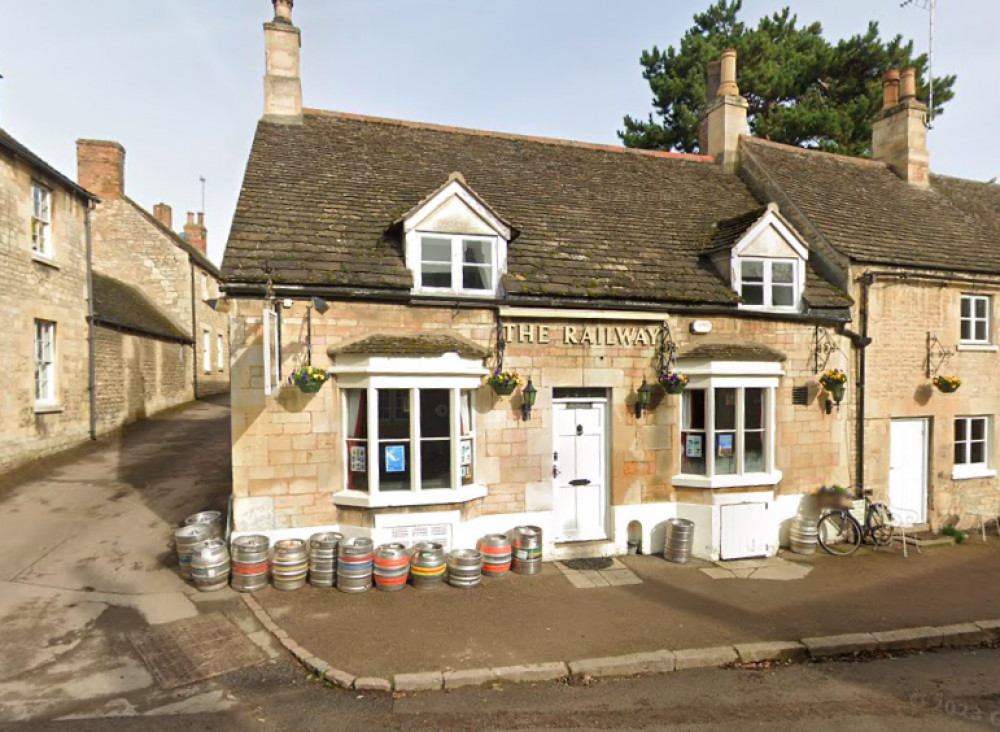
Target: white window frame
{"x": 272, "y": 350}
{"x": 457, "y": 263}
{"x": 220, "y": 352}
{"x": 973, "y": 319}
{"x": 965, "y": 469}
{"x": 45, "y": 363}
{"x": 712, "y": 375}
{"x": 41, "y": 220}
{"x": 206, "y": 350}
{"x": 768, "y": 284}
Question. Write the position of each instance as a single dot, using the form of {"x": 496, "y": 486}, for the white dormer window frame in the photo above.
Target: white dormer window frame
{"x": 431, "y": 251}
{"x": 768, "y": 279}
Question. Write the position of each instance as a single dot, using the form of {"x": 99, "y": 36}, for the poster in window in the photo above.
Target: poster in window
{"x": 395, "y": 459}
{"x": 358, "y": 459}
{"x": 725, "y": 445}
{"x": 466, "y": 474}
{"x": 692, "y": 446}
{"x": 466, "y": 453}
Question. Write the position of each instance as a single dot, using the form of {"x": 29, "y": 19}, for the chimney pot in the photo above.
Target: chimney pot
{"x": 283, "y": 10}
{"x": 100, "y": 167}
{"x": 908, "y": 83}
{"x": 190, "y": 221}
{"x": 890, "y": 89}
{"x": 727, "y": 82}
{"x": 164, "y": 214}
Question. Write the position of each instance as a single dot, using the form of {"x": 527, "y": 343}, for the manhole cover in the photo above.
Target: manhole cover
{"x": 596, "y": 563}
{"x": 194, "y": 649}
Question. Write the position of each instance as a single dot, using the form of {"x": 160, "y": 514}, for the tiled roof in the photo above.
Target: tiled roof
{"x": 868, "y": 213}
{"x": 981, "y": 201}
{"x": 123, "y": 306}
{"x": 429, "y": 344}
{"x": 21, "y": 151}
{"x": 731, "y": 351}
{"x": 318, "y": 200}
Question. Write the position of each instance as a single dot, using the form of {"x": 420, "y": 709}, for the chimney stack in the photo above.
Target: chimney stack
{"x": 713, "y": 77}
{"x": 726, "y": 118}
{"x": 899, "y": 132}
{"x": 164, "y": 214}
{"x": 283, "y": 83}
{"x": 100, "y": 168}
{"x": 196, "y": 233}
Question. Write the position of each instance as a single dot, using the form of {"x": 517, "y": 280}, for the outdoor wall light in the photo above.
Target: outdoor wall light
{"x": 642, "y": 403}
{"x": 528, "y": 395}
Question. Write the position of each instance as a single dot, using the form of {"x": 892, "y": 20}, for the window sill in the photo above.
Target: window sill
{"x": 49, "y": 408}
{"x": 984, "y": 347}
{"x": 409, "y": 498}
{"x": 969, "y": 472}
{"x": 727, "y": 481}
{"x": 42, "y": 259}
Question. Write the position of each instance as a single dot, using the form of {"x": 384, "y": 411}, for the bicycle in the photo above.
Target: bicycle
{"x": 840, "y": 533}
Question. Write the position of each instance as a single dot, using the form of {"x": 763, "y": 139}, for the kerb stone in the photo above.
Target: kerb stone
{"x": 839, "y": 645}
{"x": 657, "y": 662}
{"x": 372, "y": 683}
{"x": 773, "y": 651}
{"x": 532, "y": 672}
{"x": 908, "y": 639}
{"x": 704, "y": 657}
{"x": 962, "y": 634}
{"x": 425, "y": 681}
{"x": 468, "y": 677}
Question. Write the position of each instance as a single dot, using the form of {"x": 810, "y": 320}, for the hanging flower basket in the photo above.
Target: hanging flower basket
{"x": 834, "y": 496}
{"x": 673, "y": 382}
{"x": 947, "y": 384}
{"x": 834, "y": 381}
{"x": 309, "y": 379}
{"x": 504, "y": 382}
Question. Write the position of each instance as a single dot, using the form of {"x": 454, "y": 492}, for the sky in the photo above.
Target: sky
{"x": 180, "y": 82}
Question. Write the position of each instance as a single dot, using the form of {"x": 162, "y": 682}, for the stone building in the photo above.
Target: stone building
{"x": 412, "y": 261}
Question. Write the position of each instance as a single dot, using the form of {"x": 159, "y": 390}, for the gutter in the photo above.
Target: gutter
{"x": 91, "y": 330}
{"x": 194, "y": 328}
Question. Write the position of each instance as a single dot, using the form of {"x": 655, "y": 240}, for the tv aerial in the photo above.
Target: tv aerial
{"x": 930, "y": 6}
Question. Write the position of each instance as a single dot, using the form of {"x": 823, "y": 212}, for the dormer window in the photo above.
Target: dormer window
{"x": 769, "y": 283}
{"x": 457, "y": 264}
{"x": 455, "y": 243}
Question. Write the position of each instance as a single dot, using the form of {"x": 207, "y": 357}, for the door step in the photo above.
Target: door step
{"x": 582, "y": 550}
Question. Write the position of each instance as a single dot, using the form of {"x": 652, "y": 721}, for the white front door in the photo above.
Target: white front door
{"x": 580, "y": 491}
{"x": 908, "y": 466}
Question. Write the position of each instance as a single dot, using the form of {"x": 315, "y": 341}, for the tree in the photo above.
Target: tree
{"x": 802, "y": 90}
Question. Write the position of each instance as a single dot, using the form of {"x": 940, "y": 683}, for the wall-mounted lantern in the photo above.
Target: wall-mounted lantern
{"x": 642, "y": 402}
{"x": 528, "y": 395}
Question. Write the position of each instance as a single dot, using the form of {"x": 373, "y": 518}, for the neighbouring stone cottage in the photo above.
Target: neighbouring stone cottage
{"x": 414, "y": 260}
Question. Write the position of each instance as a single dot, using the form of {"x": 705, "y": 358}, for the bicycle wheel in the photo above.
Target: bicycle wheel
{"x": 839, "y": 533}
{"x": 880, "y": 524}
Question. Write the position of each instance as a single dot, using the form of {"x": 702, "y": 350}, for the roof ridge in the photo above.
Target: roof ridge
{"x": 811, "y": 151}
{"x": 509, "y": 135}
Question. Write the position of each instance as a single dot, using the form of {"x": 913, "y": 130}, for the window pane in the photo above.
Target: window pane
{"x": 782, "y": 295}
{"x": 966, "y": 330}
{"x": 960, "y": 434}
{"x": 436, "y": 250}
{"x": 980, "y": 330}
{"x": 981, "y": 307}
{"x": 959, "y": 453}
{"x": 435, "y": 413}
{"x": 977, "y": 452}
{"x": 476, "y": 252}
{"x": 436, "y": 275}
{"x": 978, "y": 429}
{"x": 357, "y": 465}
{"x": 753, "y": 294}
{"x": 466, "y": 458}
{"x": 694, "y": 409}
{"x": 753, "y": 447}
{"x": 476, "y": 278}
{"x": 966, "y": 307}
{"x": 753, "y": 408}
{"x": 435, "y": 463}
{"x": 693, "y": 453}
{"x": 725, "y": 453}
{"x": 393, "y": 414}
{"x": 394, "y": 466}
{"x": 465, "y": 422}
{"x": 725, "y": 409}
{"x": 782, "y": 272}
{"x": 752, "y": 271}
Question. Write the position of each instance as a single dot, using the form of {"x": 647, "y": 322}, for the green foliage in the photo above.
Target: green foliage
{"x": 802, "y": 90}
{"x": 955, "y": 533}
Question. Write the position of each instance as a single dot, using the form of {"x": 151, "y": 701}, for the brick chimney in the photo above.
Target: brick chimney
{"x": 196, "y": 233}
{"x": 164, "y": 214}
{"x": 283, "y": 83}
{"x": 100, "y": 168}
{"x": 726, "y": 117}
{"x": 899, "y": 132}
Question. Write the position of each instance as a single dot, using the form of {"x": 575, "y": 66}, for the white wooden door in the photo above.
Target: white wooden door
{"x": 908, "y": 466}
{"x": 745, "y": 530}
{"x": 580, "y": 490}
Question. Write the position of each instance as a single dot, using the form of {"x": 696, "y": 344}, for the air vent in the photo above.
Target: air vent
{"x": 800, "y": 396}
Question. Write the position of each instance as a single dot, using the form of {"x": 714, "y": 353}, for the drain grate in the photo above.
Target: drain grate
{"x": 596, "y": 563}
{"x": 194, "y": 649}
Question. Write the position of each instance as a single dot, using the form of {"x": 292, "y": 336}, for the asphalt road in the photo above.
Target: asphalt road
{"x": 945, "y": 690}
